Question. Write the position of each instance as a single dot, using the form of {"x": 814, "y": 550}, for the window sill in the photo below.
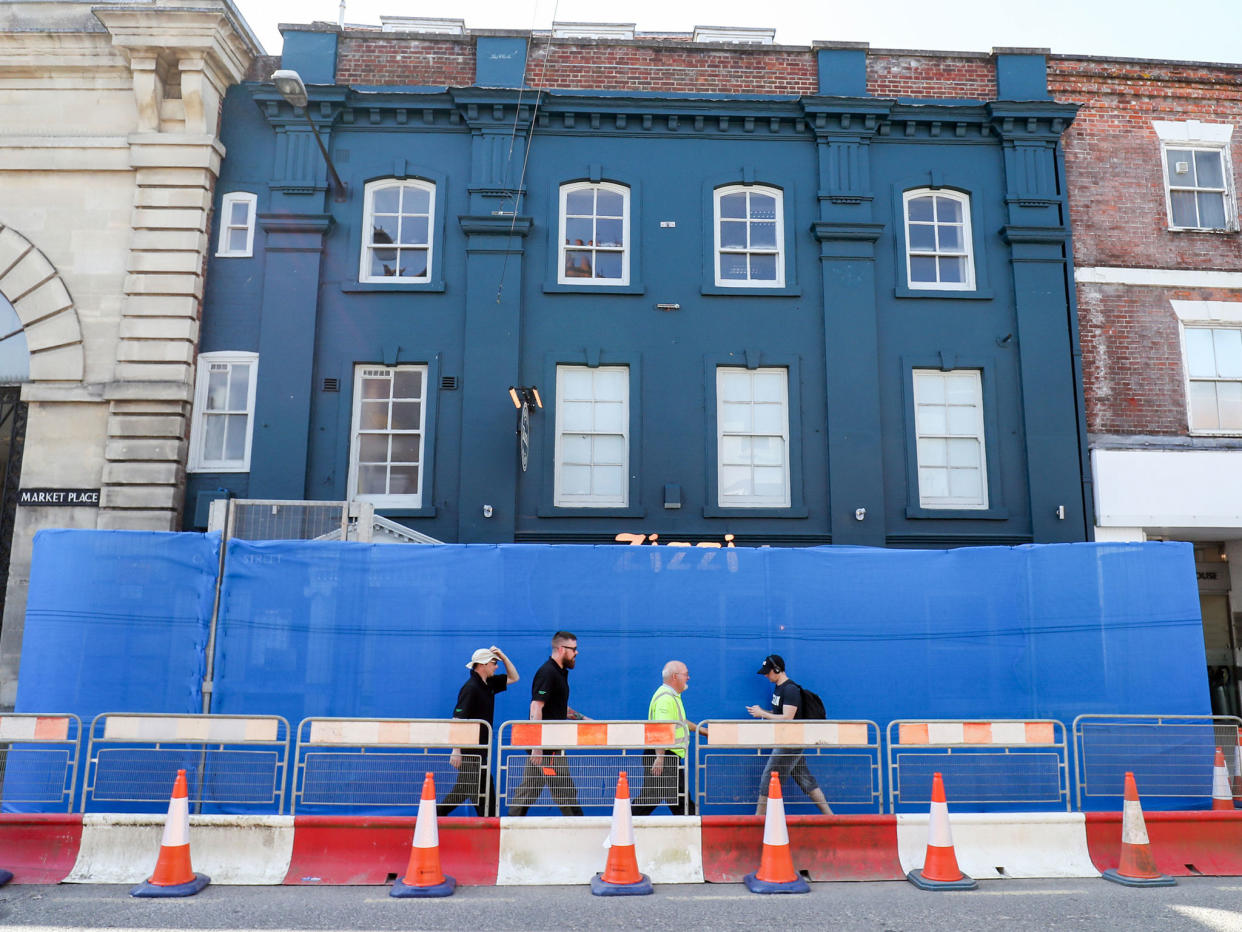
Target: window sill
{"x": 222, "y": 470}
{"x": 584, "y": 288}
{"x": 751, "y": 291}
{"x": 944, "y": 294}
{"x": 363, "y": 287}
{"x": 607, "y": 511}
{"x": 958, "y": 514}
{"x": 765, "y": 511}
{"x": 427, "y": 512}
{"x": 1217, "y": 230}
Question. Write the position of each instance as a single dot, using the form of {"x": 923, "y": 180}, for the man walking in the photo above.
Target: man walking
{"x": 477, "y": 699}
{"x": 549, "y": 702}
{"x": 664, "y": 771}
{"x": 786, "y": 700}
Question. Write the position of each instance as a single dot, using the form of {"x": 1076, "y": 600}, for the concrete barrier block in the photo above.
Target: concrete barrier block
{"x": 1005, "y": 844}
{"x": 552, "y": 850}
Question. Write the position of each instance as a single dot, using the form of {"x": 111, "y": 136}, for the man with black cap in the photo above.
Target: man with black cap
{"x": 786, "y": 700}
{"x": 477, "y": 699}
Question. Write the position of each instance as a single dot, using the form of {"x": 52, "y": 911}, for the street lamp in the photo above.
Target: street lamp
{"x": 289, "y": 85}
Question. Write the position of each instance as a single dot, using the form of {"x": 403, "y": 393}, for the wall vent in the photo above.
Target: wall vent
{"x": 331, "y": 385}
{"x": 448, "y": 383}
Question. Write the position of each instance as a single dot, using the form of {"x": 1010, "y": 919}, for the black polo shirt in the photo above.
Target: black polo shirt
{"x": 477, "y": 699}
{"x": 551, "y": 687}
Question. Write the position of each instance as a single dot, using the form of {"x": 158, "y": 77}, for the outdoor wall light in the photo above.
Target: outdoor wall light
{"x": 525, "y": 399}
{"x": 289, "y": 85}
{"x": 525, "y": 395}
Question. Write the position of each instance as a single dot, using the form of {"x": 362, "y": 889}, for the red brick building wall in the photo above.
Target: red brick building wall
{"x": 952, "y": 77}
{"x": 386, "y": 60}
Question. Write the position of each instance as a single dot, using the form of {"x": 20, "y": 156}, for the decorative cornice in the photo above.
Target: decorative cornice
{"x": 494, "y": 225}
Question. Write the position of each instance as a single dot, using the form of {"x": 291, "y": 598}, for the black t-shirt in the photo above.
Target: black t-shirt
{"x": 477, "y": 699}
{"x": 551, "y": 687}
{"x": 786, "y": 694}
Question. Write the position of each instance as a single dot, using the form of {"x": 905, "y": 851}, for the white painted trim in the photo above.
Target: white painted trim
{"x": 198, "y": 435}
{"x": 1193, "y": 131}
{"x": 778, "y": 252}
{"x": 226, "y": 227}
{"x": 1208, "y": 311}
{"x": 364, "y": 261}
{"x": 563, "y": 247}
{"x": 1166, "y": 278}
{"x": 387, "y": 500}
{"x": 967, "y": 251}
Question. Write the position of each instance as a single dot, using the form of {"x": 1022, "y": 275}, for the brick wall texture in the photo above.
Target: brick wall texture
{"x": 931, "y": 76}
{"x": 389, "y": 61}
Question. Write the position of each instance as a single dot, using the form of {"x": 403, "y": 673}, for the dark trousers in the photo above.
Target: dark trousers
{"x": 467, "y": 788}
{"x": 553, "y": 772}
{"x": 788, "y": 764}
{"x": 667, "y": 787}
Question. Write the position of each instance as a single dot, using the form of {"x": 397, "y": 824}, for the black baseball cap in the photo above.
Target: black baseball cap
{"x": 772, "y": 663}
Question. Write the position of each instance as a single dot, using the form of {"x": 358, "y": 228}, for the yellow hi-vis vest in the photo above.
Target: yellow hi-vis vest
{"x": 666, "y": 707}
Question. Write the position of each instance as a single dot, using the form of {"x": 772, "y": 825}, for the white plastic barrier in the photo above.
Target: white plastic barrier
{"x": 991, "y": 845}
{"x": 553, "y": 850}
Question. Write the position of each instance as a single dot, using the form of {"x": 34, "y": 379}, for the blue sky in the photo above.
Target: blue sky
{"x": 1205, "y": 30}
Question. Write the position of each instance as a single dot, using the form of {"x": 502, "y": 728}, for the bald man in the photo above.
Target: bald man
{"x": 664, "y": 771}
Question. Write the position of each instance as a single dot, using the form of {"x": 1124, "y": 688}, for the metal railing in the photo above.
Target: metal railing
{"x": 230, "y": 760}
{"x": 1169, "y": 755}
{"x": 39, "y": 759}
{"x": 372, "y": 762}
{"x": 983, "y": 762}
{"x": 842, "y": 758}
{"x": 580, "y": 763}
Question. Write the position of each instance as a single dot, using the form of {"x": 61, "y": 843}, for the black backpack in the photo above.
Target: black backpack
{"x": 812, "y": 706}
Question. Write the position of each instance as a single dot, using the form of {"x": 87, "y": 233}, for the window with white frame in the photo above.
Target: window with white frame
{"x": 938, "y": 243}
{"x": 237, "y": 225}
{"x": 592, "y": 437}
{"x": 1214, "y": 375}
{"x": 948, "y": 419}
{"x": 223, "y": 422}
{"x": 750, "y": 236}
{"x": 386, "y": 463}
{"x": 1198, "y": 180}
{"x": 398, "y": 231}
{"x": 595, "y": 233}
{"x": 752, "y": 437}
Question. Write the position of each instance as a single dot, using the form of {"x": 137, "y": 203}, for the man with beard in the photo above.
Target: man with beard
{"x": 549, "y": 702}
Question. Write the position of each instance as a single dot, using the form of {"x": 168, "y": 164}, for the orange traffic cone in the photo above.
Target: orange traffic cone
{"x": 621, "y": 876}
{"x": 940, "y": 870}
{"x": 776, "y": 872}
{"x": 173, "y": 874}
{"x": 1137, "y": 867}
{"x": 1222, "y": 795}
{"x": 423, "y": 876}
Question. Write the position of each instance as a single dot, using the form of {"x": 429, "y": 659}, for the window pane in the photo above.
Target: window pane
{"x": 1184, "y": 214}
{"x": 952, "y": 269}
{"x": 960, "y": 388}
{"x": 405, "y": 448}
{"x": 923, "y": 237}
{"x": 372, "y": 480}
{"x": 213, "y": 440}
{"x": 920, "y": 208}
{"x": 386, "y": 200}
{"x": 963, "y": 452}
{"x": 763, "y": 268}
{"x": 950, "y": 238}
{"x": 609, "y": 481}
{"x": 576, "y": 415}
{"x": 577, "y": 264}
{"x": 609, "y": 417}
{"x": 948, "y": 210}
{"x": 1229, "y": 399}
{"x": 218, "y": 389}
{"x": 403, "y": 480}
{"x": 964, "y": 485}
{"x": 770, "y": 386}
{"x": 235, "y": 438}
{"x": 374, "y": 415}
{"x": 608, "y": 265}
{"x": 576, "y": 382}
{"x": 763, "y": 235}
{"x": 769, "y": 483}
{"x": 376, "y": 388}
{"x": 735, "y": 417}
{"x": 373, "y": 448}
{"x": 769, "y": 419}
{"x": 1208, "y": 170}
{"x": 239, "y": 213}
{"x": 383, "y": 262}
{"x": 763, "y": 207}
{"x": 1203, "y": 414}
{"x": 733, "y": 384}
{"x": 611, "y": 384}
{"x": 406, "y": 415}
{"x": 732, "y": 235}
{"x": 733, "y": 268}
{"x": 963, "y": 421}
{"x": 733, "y": 205}
{"x": 1185, "y": 156}
{"x": 609, "y": 203}
{"x": 922, "y": 268}
{"x": 1228, "y": 345}
{"x": 407, "y": 383}
{"x": 413, "y": 263}
{"x": 415, "y": 200}
{"x": 735, "y": 481}
{"x": 768, "y": 451}
{"x": 575, "y": 480}
{"x": 414, "y": 231}
{"x": 933, "y": 483}
{"x": 930, "y": 419}
{"x": 1211, "y": 210}
{"x": 580, "y": 202}
{"x": 237, "y": 240}
{"x": 608, "y": 233}
{"x": 578, "y": 231}
{"x": 933, "y": 452}
{"x": 1200, "y": 358}
{"x": 239, "y": 385}
{"x": 575, "y": 448}
{"x": 608, "y": 448}
{"x": 929, "y": 388}
{"x": 734, "y": 450}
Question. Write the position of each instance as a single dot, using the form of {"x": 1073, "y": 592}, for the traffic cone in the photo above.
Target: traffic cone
{"x": 173, "y": 874}
{"x": 776, "y": 872}
{"x": 621, "y": 876}
{"x": 940, "y": 870}
{"x": 1137, "y": 867}
{"x": 423, "y": 876}
{"x": 1222, "y": 795}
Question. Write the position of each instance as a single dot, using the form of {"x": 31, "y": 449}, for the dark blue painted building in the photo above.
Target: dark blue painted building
{"x": 792, "y": 318}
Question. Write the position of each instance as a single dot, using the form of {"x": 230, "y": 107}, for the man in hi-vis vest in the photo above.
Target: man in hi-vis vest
{"x": 664, "y": 771}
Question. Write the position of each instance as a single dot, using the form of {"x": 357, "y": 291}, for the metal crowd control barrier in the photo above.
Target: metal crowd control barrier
{"x": 230, "y": 760}
{"x": 843, "y": 758}
{"x": 992, "y": 762}
{"x": 586, "y": 759}
{"x": 1169, "y": 755}
{"x": 360, "y": 763}
{"x": 39, "y": 759}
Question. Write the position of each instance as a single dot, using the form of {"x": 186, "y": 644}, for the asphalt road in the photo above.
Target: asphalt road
{"x": 1195, "y": 904}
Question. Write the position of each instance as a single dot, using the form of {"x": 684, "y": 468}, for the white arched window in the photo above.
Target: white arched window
{"x": 397, "y": 231}
{"x": 750, "y": 236}
{"x": 938, "y": 243}
{"x": 594, "y": 234}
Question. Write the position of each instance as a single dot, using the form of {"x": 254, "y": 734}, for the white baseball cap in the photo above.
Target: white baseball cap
{"x": 482, "y": 655}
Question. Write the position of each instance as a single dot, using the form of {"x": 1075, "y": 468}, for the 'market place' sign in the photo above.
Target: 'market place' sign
{"x": 83, "y": 497}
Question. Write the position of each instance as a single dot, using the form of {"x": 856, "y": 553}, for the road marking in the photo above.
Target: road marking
{"x": 1218, "y": 920}
{"x": 710, "y": 897}
{"x": 1028, "y": 892}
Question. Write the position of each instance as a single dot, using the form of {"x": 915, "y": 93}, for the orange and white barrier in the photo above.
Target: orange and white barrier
{"x": 940, "y": 870}
{"x": 423, "y": 877}
{"x": 1222, "y": 794}
{"x": 621, "y": 876}
{"x": 977, "y": 732}
{"x": 1137, "y": 867}
{"x": 593, "y": 734}
{"x": 776, "y": 872}
{"x": 173, "y": 875}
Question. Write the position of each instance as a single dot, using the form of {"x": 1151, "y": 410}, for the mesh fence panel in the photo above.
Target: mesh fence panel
{"x": 592, "y": 777}
{"x": 213, "y": 775}
{"x": 31, "y": 775}
{"x": 734, "y": 777}
{"x": 273, "y": 520}
{"x": 364, "y": 778}
{"x": 978, "y": 776}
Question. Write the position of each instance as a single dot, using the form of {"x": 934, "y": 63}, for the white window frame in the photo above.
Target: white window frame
{"x": 719, "y": 251}
{"x": 364, "y": 261}
{"x": 407, "y": 500}
{"x": 562, "y": 499}
{"x": 1194, "y": 136}
{"x": 752, "y": 500}
{"x": 1215, "y": 315}
{"x": 227, "y": 226}
{"x": 623, "y": 250}
{"x": 967, "y": 251}
{"x": 949, "y": 502}
{"x": 198, "y": 426}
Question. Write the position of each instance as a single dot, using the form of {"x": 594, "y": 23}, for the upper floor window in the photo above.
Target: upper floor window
{"x": 750, "y": 236}
{"x": 592, "y": 437}
{"x": 1214, "y": 372}
{"x": 948, "y": 421}
{"x": 938, "y": 240}
{"x": 397, "y": 231}
{"x": 752, "y": 423}
{"x": 595, "y": 234}
{"x": 223, "y": 421}
{"x": 237, "y": 225}
{"x": 1198, "y": 178}
{"x": 386, "y": 463}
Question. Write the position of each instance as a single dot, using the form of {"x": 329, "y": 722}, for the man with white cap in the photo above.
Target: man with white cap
{"x": 477, "y": 699}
